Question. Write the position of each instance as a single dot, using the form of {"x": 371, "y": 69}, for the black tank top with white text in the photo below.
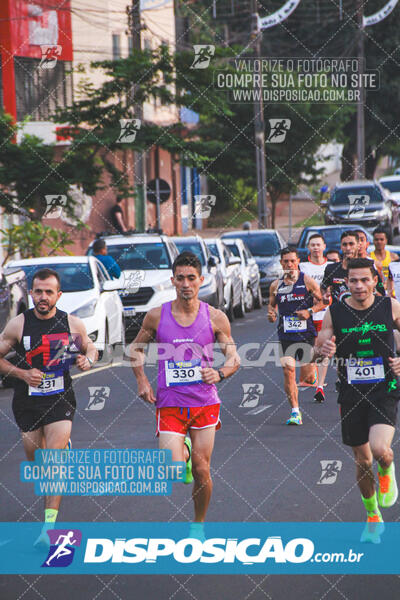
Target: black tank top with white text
{"x": 364, "y": 343}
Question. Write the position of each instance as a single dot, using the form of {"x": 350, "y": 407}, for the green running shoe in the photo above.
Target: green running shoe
{"x": 295, "y": 419}
{"x": 188, "y": 474}
{"x": 373, "y": 529}
{"x": 388, "y": 492}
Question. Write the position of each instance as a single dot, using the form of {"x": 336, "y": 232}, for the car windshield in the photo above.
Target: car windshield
{"x": 359, "y": 196}
{"x": 213, "y": 249}
{"x": 259, "y": 244}
{"x": 393, "y": 185}
{"x": 194, "y": 247}
{"x": 147, "y": 257}
{"x": 75, "y": 277}
{"x": 234, "y": 249}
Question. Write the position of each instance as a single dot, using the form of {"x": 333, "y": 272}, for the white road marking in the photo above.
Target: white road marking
{"x": 258, "y": 409}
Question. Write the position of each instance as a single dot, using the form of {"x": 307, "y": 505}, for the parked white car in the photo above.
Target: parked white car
{"x": 250, "y": 273}
{"x": 88, "y": 292}
{"x": 231, "y": 272}
{"x": 145, "y": 261}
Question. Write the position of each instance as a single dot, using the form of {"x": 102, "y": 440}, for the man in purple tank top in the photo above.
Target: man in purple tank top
{"x": 296, "y": 297}
{"x": 187, "y": 401}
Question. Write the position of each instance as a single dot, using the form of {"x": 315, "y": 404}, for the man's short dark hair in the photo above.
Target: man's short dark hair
{"x": 362, "y": 263}
{"x": 380, "y": 230}
{"x": 289, "y": 250}
{"x": 314, "y": 236}
{"x": 98, "y": 245}
{"x": 187, "y": 259}
{"x": 358, "y": 231}
{"x": 45, "y": 274}
{"x": 349, "y": 232}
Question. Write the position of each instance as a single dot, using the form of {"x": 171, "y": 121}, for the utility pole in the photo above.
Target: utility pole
{"x": 360, "y": 171}
{"x": 363, "y": 22}
{"x": 139, "y": 157}
{"x": 259, "y": 125}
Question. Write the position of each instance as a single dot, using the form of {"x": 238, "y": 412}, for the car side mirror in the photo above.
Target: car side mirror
{"x": 234, "y": 260}
{"x": 212, "y": 262}
{"x": 111, "y": 285}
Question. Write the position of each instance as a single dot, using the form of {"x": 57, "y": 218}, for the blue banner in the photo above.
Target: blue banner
{"x": 210, "y": 548}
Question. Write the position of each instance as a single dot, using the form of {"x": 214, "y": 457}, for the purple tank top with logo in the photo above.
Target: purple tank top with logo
{"x": 187, "y": 349}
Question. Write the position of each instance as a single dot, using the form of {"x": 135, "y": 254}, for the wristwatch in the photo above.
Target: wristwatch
{"x": 310, "y": 311}
{"x": 91, "y": 362}
{"x": 221, "y": 374}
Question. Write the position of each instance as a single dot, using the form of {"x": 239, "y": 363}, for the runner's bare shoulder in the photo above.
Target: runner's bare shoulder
{"x": 152, "y": 318}
{"x": 12, "y": 332}
{"x": 218, "y": 318}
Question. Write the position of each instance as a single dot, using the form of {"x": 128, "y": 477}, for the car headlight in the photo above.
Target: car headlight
{"x": 160, "y": 287}
{"x": 381, "y": 214}
{"x": 87, "y": 310}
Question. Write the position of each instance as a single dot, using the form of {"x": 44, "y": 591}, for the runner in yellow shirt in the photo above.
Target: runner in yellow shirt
{"x": 381, "y": 256}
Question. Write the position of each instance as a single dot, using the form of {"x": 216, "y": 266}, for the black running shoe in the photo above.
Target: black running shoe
{"x": 319, "y": 395}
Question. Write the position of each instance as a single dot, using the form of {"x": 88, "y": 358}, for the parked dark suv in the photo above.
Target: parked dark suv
{"x": 363, "y": 203}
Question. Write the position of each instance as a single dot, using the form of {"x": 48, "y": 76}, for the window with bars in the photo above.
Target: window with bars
{"x": 40, "y": 91}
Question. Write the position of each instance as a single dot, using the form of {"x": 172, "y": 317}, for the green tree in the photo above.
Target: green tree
{"x": 32, "y": 237}
{"x": 222, "y": 143}
{"x": 31, "y": 170}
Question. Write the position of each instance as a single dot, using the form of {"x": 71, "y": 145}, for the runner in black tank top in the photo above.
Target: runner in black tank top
{"x": 44, "y": 402}
{"x": 297, "y": 297}
{"x": 45, "y": 345}
{"x": 359, "y": 331}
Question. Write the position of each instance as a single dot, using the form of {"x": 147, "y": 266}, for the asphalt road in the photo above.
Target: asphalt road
{"x": 262, "y": 471}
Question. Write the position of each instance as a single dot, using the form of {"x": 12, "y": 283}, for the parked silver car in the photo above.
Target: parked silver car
{"x": 212, "y": 290}
{"x": 231, "y": 272}
{"x": 265, "y": 245}
{"x": 249, "y": 271}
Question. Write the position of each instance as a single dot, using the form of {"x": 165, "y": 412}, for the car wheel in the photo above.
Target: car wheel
{"x": 240, "y": 309}
{"x": 222, "y": 301}
{"x": 258, "y": 300}
{"x": 390, "y": 235}
{"x": 229, "y": 310}
{"x": 249, "y": 300}
{"x": 105, "y": 355}
{"x": 122, "y": 341}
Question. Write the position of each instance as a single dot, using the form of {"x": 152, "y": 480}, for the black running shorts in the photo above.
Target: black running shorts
{"x": 31, "y": 414}
{"x": 357, "y": 418}
{"x": 301, "y": 351}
